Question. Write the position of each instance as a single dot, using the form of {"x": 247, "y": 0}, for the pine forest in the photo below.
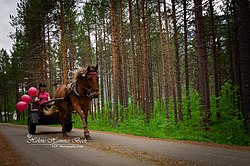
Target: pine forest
{"x": 173, "y": 69}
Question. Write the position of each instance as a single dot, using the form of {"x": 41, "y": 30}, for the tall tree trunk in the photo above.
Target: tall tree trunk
{"x": 97, "y": 34}
{"x": 216, "y": 76}
{"x": 132, "y": 44}
{"x": 243, "y": 22}
{"x": 49, "y": 57}
{"x": 115, "y": 59}
{"x": 41, "y": 55}
{"x": 186, "y": 60}
{"x": 64, "y": 55}
{"x": 230, "y": 50}
{"x": 139, "y": 58}
{"x": 145, "y": 66}
{"x": 16, "y": 96}
{"x": 124, "y": 61}
{"x": 164, "y": 63}
{"x": 96, "y": 104}
{"x": 177, "y": 57}
{"x": 102, "y": 61}
{"x": 72, "y": 47}
{"x": 4, "y": 94}
{"x": 120, "y": 84}
{"x": 150, "y": 73}
{"x": 236, "y": 62}
{"x": 88, "y": 61}
{"x": 107, "y": 66}
{"x": 159, "y": 80}
{"x": 170, "y": 61}
{"x": 202, "y": 65}
{"x": 44, "y": 57}
{"x": 102, "y": 75}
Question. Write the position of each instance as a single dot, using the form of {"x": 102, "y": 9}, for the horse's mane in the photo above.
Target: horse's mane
{"x": 80, "y": 72}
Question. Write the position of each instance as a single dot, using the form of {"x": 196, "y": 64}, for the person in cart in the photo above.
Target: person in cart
{"x": 43, "y": 95}
{"x": 42, "y": 102}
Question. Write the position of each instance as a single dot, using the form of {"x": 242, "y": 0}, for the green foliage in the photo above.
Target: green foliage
{"x": 22, "y": 121}
{"x": 227, "y": 130}
{"x": 228, "y": 100}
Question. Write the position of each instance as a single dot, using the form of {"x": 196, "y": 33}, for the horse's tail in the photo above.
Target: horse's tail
{"x": 50, "y": 111}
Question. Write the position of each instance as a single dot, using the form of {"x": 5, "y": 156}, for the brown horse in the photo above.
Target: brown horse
{"x": 77, "y": 96}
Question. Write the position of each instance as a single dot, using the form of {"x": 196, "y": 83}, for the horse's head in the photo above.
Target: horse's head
{"x": 92, "y": 81}
{"x": 86, "y": 80}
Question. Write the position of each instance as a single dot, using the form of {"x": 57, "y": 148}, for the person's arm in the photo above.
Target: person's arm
{"x": 48, "y": 96}
{"x": 37, "y": 99}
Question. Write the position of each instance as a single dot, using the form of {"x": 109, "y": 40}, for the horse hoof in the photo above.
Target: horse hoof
{"x": 85, "y": 140}
{"x": 86, "y": 135}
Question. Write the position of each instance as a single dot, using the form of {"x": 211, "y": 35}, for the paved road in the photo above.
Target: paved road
{"x": 48, "y": 147}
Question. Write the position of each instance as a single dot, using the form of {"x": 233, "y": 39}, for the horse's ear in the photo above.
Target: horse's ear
{"x": 96, "y": 67}
{"x": 88, "y": 69}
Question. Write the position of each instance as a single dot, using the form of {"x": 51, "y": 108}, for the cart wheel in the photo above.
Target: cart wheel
{"x": 31, "y": 127}
{"x": 68, "y": 127}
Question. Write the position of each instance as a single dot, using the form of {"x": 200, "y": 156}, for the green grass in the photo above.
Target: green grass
{"x": 227, "y": 130}
{"x": 20, "y": 122}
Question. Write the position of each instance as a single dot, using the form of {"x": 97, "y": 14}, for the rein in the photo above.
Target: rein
{"x": 88, "y": 93}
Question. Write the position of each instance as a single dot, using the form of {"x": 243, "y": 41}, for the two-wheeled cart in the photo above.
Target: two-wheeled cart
{"x": 36, "y": 116}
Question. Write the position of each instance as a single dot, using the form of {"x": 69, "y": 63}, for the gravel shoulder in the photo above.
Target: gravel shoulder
{"x": 8, "y": 155}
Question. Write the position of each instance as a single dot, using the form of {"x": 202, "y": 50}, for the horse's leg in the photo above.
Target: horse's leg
{"x": 67, "y": 116}
{"x": 86, "y": 131}
{"x": 62, "y": 118}
{"x": 83, "y": 118}
{"x": 86, "y": 108}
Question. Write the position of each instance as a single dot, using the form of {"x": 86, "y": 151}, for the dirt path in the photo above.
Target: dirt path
{"x": 48, "y": 147}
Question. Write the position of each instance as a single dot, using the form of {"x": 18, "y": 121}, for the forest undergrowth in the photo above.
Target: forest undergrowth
{"x": 228, "y": 129}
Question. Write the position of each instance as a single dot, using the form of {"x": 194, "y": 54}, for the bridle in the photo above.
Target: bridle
{"x": 89, "y": 91}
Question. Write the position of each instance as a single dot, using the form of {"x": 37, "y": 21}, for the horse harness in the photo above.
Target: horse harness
{"x": 73, "y": 88}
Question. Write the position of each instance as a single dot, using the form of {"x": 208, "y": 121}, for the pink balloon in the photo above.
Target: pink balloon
{"x": 26, "y": 98}
{"x": 32, "y": 91}
{"x": 21, "y": 106}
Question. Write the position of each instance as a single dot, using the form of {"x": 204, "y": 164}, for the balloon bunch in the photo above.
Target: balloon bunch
{"x": 25, "y": 99}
